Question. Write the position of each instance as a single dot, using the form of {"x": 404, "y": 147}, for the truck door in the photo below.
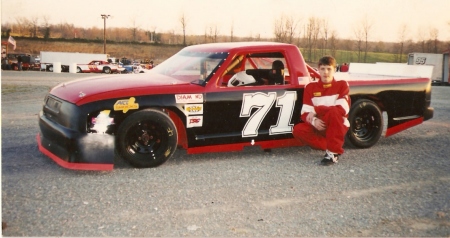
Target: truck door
{"x": 248, "y": 112}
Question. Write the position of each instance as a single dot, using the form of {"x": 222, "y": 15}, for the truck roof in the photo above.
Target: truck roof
{"x": 227, "y": 46}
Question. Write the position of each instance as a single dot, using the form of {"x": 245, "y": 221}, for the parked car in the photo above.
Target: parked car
{"x": 98, "y": 66}
{"x": 133, "y": 68}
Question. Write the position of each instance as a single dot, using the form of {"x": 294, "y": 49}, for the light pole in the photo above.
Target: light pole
{"x": 104, "y": 17}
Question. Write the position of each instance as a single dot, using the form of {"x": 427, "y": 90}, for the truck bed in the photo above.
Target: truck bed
{"x": 384, "y": 71}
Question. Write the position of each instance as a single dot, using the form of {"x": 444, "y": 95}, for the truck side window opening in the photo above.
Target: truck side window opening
{"x": 265, "y": 68}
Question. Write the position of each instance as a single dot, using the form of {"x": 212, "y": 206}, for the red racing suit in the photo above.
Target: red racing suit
{"x": 331, "y": 104}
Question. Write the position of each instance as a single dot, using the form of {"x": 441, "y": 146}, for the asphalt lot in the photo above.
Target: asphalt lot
{"x": 399, "y": 187}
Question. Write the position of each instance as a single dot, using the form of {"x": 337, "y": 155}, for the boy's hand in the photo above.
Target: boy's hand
{"x": 318, "y": 124}
{"x": 310, "y": 117}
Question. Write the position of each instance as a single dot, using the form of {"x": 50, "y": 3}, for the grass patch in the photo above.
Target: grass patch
{"x": 14, "y": 88}
{"x": 342, "y": 56}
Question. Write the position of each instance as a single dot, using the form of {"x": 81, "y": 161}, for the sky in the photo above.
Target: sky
{"x": 246, "y": 17}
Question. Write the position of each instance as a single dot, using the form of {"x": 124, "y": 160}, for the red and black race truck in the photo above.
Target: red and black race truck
{"x": 211, "y": 98}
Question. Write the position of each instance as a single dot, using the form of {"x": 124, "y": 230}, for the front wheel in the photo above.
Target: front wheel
{"x": 366, "y": 124}
{"x": 147, "y": 138}
{"x": 107, "y": 70}
{"x": 79, "y": 70}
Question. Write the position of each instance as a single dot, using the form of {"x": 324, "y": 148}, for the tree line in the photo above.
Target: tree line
{"x": 315, "y": 35}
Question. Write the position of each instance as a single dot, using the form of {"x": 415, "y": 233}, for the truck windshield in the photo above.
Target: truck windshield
{"x": 194, "y": 67}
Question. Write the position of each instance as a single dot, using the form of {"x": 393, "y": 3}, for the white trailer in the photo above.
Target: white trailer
{"x": 67, "y": 58}
{"x": 439, "y": 61}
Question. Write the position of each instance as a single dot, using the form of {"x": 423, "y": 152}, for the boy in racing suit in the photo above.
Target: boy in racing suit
{"x": 326, "y": 104}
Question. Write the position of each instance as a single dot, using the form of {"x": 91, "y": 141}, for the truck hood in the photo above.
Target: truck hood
{"x": 97, "y": 88}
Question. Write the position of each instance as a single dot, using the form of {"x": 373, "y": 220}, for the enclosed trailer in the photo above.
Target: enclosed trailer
{"x": 439, "y": 61}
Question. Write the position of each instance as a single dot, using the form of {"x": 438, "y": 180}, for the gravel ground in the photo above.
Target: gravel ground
{"x": 399, "y": 187}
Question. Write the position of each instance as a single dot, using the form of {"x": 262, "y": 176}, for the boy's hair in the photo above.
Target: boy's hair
{"x": 327, "y": 60}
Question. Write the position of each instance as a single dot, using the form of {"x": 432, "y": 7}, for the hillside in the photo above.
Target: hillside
{"x": 157, "y": 53}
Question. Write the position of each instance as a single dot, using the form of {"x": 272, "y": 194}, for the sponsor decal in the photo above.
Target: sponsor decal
{"x": 189, "y": 98}
{"x": 194, "y": 121}
{"x": 317, "y": 94}
{"x": 193, "y": 109}
{"x": 126, "y": 104}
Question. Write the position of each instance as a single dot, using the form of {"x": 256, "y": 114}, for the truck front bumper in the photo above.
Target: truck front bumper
{"x": 428, "y": 114}
{"x": 74, "y": 150}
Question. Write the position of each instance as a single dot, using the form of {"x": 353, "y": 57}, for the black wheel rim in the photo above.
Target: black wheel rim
{"x": 366, "y": 125}
{"x": 145, "y": 138}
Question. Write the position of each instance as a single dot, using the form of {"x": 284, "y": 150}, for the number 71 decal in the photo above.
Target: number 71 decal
{"x": 264, "y": 102}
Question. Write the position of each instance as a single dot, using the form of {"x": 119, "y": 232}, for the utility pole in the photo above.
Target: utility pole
{"x": 104, "y": 17}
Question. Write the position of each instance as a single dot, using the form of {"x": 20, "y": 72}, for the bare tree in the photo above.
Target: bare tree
{"x": 21, "y": 25}
{"x": 402, "y": 34}
{"x": 183, "y": 21}
{"x": 285, "y": 29}
{"x": 333, "y": 43}
{"x": 66, "y": 30}
{"x": 279, "y": 31}
{"x": 434, "y": 38}
{"x": 311, "y": 34}
{"x": 134, "y": 29}
{"x": 366, "y": 26}
{"x": 215, "y": 32}
{"x": 421, "y": 38}
{"x": 45, "y": 27}
{"x": 362, "y": 31}
{"x": 231, "y": 31}
{"x": 33, "y": 26}
{"x": 211, "y": 33}
{"x": 359, "y": 36}
{"x": 324, "y": 32}
{"x": 291, "y": 27}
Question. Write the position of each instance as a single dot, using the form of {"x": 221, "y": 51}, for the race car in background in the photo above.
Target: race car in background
{"x": 133, "y": 68}
{"x": 98, "y": 66}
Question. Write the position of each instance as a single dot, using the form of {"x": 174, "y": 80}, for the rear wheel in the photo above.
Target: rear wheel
{"x": 79, "y": 70}
{"x": 147, "y": 138}
{"x": 366, "y": 124}
{"x": 106, "y": 70}
{"x": 50, "y": 68}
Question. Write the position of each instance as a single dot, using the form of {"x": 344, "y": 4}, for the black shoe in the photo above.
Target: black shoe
{"x": 330, "y": 158}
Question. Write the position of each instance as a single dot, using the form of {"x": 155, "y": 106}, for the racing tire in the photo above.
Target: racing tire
{"x": 50, "y": 68}
{"x": 79, "y": 70}
{"x": 147, "y": 138}
{"x": 366, "y": 124}
{"x": 106, "y": 70}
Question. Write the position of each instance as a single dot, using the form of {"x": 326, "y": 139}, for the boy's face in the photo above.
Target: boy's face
{"x": 326, "y": 73}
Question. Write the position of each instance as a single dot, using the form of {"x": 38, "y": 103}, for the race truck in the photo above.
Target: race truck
{"x": 209, "y": 98}
{"x": 98, "y": 66}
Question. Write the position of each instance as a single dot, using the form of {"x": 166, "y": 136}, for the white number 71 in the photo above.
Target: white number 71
{"x": 263, "y": 102}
